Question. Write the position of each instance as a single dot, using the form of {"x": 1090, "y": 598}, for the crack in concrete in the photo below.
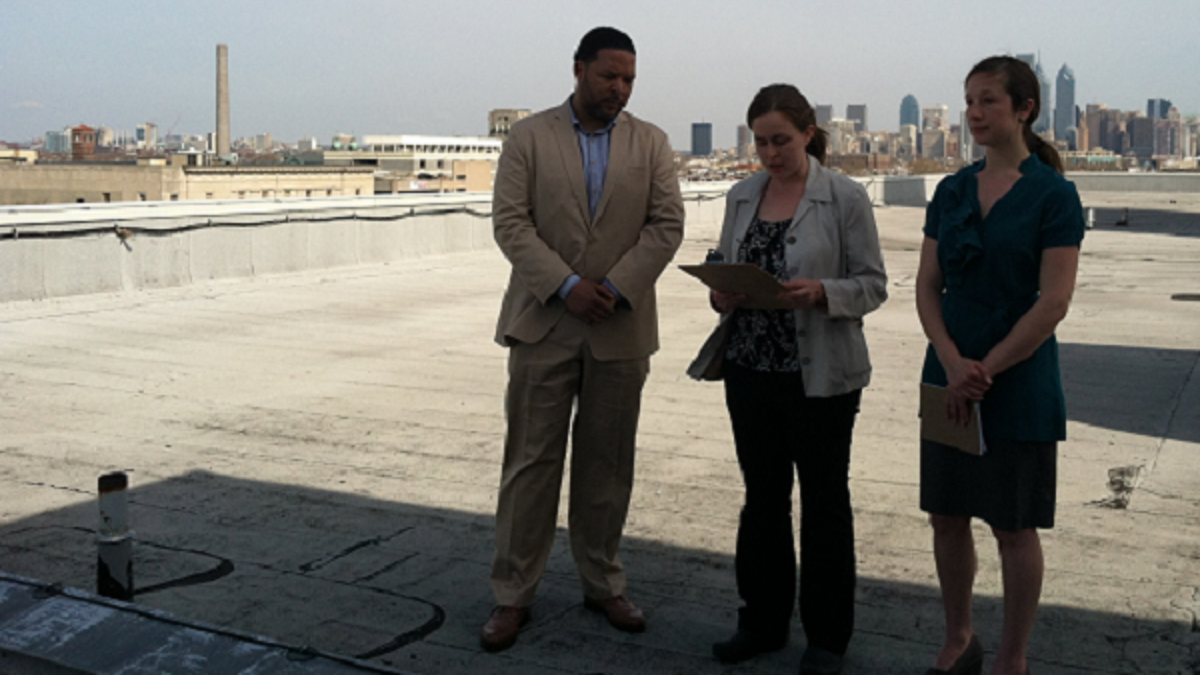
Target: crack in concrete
{"x": 1178, "y": 399}
{"x": 313, "y": 565}
{"x": 386, "y": 568}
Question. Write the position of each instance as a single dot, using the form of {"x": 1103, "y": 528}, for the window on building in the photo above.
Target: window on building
{"x": 422, "y": 164}
{"x": 357, "y": 191}
{"x": 79, "y": 200}
{"x": 308, "y": 193}
{"x": 241, "y": 194}
{"x": 141, "y": 196}
{"x": 441, "y": 163}
{"x": 329, "y": 193}
{"x": 208, "y": 195}
{"x": 266, "y": 193}
{"x": 174, "y": 197}
{"x": 108, "y": 196}
{"x": 461, "y": 177}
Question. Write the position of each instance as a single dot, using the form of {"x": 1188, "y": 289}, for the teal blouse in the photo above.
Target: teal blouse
{"x": 991, "y": 269}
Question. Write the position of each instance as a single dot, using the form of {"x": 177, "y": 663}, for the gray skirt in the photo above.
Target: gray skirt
{"x": 1011, "y": 487}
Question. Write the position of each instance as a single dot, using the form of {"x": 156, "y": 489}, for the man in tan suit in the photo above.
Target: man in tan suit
{"x": 587, "y": 209}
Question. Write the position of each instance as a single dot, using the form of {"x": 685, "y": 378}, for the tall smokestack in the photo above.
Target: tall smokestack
{"x": 222, "y": 100}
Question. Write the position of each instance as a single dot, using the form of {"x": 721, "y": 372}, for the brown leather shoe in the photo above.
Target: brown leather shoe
{"x": 621, "y": 613}
{"x": 500, "y": 631}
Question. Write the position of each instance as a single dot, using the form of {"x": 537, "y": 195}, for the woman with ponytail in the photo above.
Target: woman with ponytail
{"x": 793, "y": 380}
{"x": 996, "y": 276}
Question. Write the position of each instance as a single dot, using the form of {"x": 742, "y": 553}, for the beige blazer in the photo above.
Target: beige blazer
{"x": 832, "y": 238}
{"x": 541, "y": 223}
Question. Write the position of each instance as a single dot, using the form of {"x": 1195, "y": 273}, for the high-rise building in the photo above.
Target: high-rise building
{"x": 702, "y": 139}
{"x": 58, "y": 141}
{"x": 906, "y": 147}
{"x": 858, "y": 115}
{"x": 1157, "y": 108}
{"x": 935, "y": 117}
{"x": 910, "y": 111}
{"x": 1064, "y": 102}
{"x": 824, "y": 114}
{"x": 745, "y": 142}
{"x": 147, "y": 135}
{"x": 1042, "y": 124}
{"x": 1139, "y": 133}
{"x": 306, "y": 144}
{"x": 933, "y": 142}
{"x": 1168, "y": 134}
{"x": 105, "y": 136}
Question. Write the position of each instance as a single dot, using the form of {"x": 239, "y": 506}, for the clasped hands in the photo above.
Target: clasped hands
{"x": 967, "y": 381}
{"x": 797, "y": 293}
{"x": 591, "y": 302}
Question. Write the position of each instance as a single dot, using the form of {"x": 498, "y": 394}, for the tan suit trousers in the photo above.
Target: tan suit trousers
{"x": 547, "y": 380}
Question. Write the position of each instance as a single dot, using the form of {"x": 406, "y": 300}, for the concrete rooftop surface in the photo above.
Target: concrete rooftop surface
{"x": 314, "y": 458}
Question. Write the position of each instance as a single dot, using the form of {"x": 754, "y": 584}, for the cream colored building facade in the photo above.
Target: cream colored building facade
{"x": 86, "y": 183}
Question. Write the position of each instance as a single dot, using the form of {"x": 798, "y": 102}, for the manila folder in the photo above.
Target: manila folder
{"x": 935, "y": 426}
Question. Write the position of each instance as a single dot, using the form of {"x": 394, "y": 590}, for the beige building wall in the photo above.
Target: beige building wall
{"x": 277, "y": 182}
{"x": 463, "y": 176}
{"x": 91, "y": 183}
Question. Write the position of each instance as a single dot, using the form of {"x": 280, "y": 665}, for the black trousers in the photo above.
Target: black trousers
{"x": 780, "y": 432}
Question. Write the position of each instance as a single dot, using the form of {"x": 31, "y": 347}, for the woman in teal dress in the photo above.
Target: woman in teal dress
{"x": 996, "y": 276}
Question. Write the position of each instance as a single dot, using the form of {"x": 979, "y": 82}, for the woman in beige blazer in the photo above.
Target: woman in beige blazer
{"x": 793, "y": 380}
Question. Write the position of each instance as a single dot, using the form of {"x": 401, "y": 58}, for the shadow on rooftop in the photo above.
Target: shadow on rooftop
{"x": 1131, "y": 389}
{"x": 360, "y": 576}
{"x": 1164, "y": 220}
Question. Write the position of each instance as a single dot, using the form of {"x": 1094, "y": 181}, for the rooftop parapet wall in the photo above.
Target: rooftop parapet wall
{"x": 71, "y": 249}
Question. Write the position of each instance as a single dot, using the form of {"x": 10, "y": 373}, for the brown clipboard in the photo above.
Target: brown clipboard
{"x": 936, "y": 427}
{"x": 761, "y": 289}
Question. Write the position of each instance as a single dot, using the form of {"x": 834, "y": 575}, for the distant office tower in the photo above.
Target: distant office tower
{"x": 910, "y": 111}
{"x": 502, "y": 119}
{"x": 222, "y": 100}
{"x": 1157, "y": 108}
{"x": 306, "y": 144}
{"x": 968, "y": 149}
{"x": 105, "y": 136}
{"x": 857, "y": 114}
{"x": 58, "y": 141}
{"x": 907, "y": 146}
{"x": 824, "y": 114}
{"x": 1042, "y": 124}
{"x": 1064, "y": 102}
{"x": 1139, "y": 136}
{"x": 933, "y": 142}
{"x": 702, "y": 139}
{"x": 745, "y": 142}
{"x": 935, "y": 117}
{"x": 147, "y": 135}
{"x": 1168, "y": 134}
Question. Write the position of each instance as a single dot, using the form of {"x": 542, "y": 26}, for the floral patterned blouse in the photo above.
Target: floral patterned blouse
{"x": 765, "y": 339}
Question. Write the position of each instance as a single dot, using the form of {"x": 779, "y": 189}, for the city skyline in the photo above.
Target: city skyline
{"x": 310, "y": 68}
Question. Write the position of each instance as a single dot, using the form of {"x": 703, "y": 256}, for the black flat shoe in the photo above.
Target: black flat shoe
{"x": 746, "y": 645}
{"x": 970, "y": 662}
{"x": 817, "y": 661}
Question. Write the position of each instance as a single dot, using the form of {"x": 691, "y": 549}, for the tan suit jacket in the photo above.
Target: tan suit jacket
{"x": 543, "y": 226}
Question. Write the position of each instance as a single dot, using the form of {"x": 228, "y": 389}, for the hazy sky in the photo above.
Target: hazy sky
{"x": 317, "y": 67}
